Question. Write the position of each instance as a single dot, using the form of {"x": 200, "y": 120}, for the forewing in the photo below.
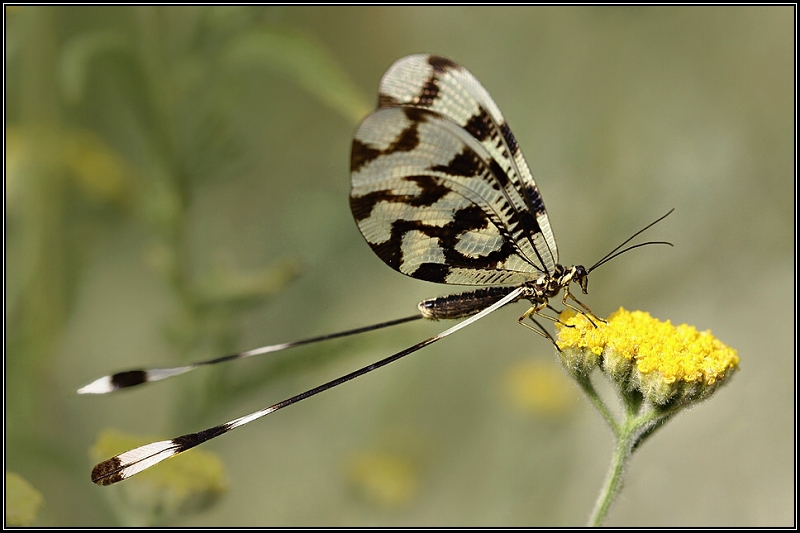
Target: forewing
{"x": 443, "y": 86}
{"x": 430, "y": 201}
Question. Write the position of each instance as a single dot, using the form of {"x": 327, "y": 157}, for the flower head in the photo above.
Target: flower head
{"x": 668, "y": 365}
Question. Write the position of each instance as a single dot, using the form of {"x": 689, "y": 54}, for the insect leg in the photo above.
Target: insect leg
{"x": 586, "y": 311}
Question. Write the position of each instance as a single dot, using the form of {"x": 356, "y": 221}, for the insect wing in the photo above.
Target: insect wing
{"x": 440, "y": 189}
{"x": 444, "y": 86}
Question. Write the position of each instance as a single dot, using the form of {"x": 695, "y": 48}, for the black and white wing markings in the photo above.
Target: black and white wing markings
{"x": 127, "y": 464}
{"x": 441, "y": 192}
{"x": 450, "y": 90}
{"x": 440, "y": 189}
{"x": 133, "y": 378}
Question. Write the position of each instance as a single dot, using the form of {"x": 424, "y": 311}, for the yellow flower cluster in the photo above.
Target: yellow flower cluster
{"x": 667, "y": 364}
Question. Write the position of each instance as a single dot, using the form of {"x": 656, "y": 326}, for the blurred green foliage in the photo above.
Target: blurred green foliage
{"x": 80, "y": 157}
{"x": 22, "y": 501}
{"x": 176, "y": 189}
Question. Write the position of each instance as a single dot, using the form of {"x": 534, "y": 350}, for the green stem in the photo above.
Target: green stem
{"x": 622, "y": 453}
{"x": 650, "y": 422}
{"x": 624, "y": 434}
{"x": 591, "y": 393}
{"x": 629, "y": 435}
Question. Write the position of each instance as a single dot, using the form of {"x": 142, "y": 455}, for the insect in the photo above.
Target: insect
{"x": 442, "y": 193}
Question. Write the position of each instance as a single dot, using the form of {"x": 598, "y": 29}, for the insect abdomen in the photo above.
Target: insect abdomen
{"x": 463, "y": 304}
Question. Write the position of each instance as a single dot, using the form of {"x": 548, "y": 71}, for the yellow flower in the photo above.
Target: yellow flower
{"x": 666, "y": 364}
{"x": 539, "y": 388}
{"x": 385, "y": 479}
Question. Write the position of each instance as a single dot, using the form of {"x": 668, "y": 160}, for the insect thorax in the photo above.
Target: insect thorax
{"x": 538, "y": 292}
{"x": 548, "y": 286}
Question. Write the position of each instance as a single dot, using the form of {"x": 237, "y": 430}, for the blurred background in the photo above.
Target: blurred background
{"x": 177, "y": 189}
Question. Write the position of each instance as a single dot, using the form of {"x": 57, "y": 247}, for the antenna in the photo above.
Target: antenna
{"x": 613, "y": 253}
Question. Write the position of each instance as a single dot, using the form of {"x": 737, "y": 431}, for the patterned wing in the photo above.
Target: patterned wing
{"x": 440, "y": 189}
{"x": 449, "y": 89}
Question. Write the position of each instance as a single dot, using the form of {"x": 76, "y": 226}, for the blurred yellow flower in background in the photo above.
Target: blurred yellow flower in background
{"x": 384, "y": 479}
{"x": 538, "y": 387}
{"x": 190, "y": 483}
